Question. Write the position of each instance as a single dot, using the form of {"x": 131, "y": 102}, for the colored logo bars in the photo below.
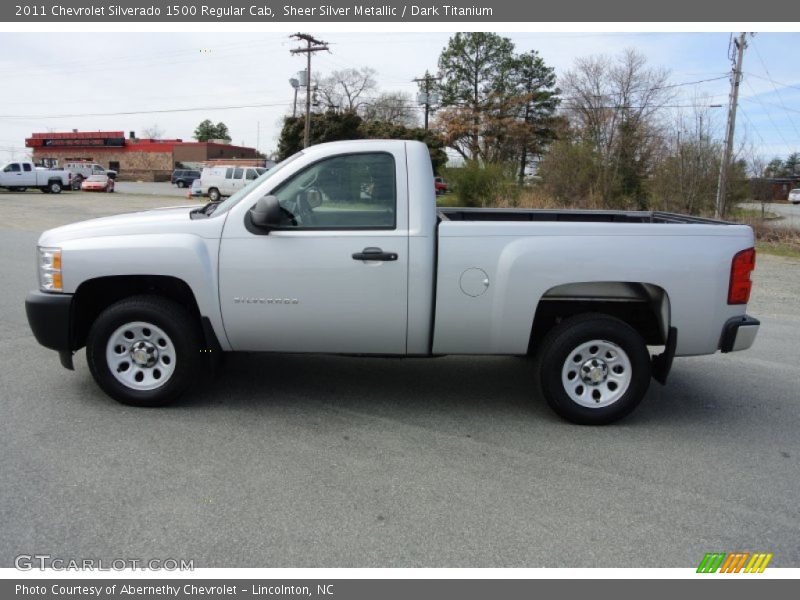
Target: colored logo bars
{"x": 736, "y": 562}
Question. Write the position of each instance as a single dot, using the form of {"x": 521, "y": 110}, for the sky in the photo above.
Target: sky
{"x": 64, "y": 81}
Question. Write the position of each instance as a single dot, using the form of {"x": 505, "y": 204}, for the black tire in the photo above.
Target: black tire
{"x": 214, "y": 195}
{"x": 563, "y": 343}
{"x": 180, "y": 183}
{"x": 185, "y": 341}
{"x": 54, "y": 187}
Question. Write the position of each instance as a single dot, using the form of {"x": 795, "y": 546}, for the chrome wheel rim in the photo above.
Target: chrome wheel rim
{"x": 596, "y": 374}
{"x": 141, "y": 356}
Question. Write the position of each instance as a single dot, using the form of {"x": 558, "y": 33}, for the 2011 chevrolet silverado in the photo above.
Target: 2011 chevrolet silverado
{"x": 341, "y": 249}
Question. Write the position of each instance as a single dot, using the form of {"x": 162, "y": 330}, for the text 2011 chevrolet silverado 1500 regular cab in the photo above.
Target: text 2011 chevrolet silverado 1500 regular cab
{"x": 341, "y": 249}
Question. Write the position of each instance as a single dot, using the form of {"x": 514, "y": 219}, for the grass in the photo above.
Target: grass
{"x": 771, "y": 239}
{"x": 738, "y": 213}
{"x": 784, "y": 250}
{"x": 448, "y": 200}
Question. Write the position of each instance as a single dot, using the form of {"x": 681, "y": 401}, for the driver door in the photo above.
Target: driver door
{"x": 317, "y": 284}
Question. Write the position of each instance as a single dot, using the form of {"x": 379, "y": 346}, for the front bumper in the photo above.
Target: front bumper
{"x": 50, "y": 318}
{"x": 739, "y": 333}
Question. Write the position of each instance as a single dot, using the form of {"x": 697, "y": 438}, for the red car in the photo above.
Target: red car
{"x": 97, "y": 183}
{"x": 440, "y": 185}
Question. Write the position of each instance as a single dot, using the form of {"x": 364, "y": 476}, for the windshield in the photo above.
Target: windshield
{"x": 230, "y": 202}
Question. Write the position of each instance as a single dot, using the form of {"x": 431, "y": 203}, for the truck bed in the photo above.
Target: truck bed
{"x": 574, "y": 216}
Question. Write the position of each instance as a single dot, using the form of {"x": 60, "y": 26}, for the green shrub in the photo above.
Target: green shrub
{"x": 477, "y": 185}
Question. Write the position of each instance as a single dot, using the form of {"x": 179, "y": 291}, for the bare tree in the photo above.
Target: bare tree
{"x": 616, "y": 104}
{"x": 760, "y": 187}
{"x": 397, "y": 108}
{"x": 346, "y": 89}
{"x": 154, "y": 132}
{"x": 684, "y": 176}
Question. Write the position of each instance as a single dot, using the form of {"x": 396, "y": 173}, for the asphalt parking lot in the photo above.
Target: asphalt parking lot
{"x": 314, "y": 461}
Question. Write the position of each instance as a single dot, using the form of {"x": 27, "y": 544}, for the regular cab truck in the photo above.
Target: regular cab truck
{"x": 340, "y": 249}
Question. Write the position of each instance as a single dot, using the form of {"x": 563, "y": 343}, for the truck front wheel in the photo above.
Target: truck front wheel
{"x": 144, "y": 351}
{"x": 593, "y": 369}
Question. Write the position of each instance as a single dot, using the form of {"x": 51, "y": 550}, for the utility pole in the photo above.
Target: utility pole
{"x": 736, "y": 55}
{"x": 425, "y": 97}
{"x": 312, "y": 45}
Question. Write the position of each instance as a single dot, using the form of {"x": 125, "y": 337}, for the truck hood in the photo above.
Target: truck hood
{"x": 170, "y": 220}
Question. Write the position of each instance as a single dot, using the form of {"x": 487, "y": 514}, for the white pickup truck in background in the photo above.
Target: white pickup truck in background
{"x": 341, "y": 249}
{"x": 82, "y": 170}
{"x": 18, "y": 176}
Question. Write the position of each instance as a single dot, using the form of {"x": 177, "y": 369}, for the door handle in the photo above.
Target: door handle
{"x": 374, "y": 254}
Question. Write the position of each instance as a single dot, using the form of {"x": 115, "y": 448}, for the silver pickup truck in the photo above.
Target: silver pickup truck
{"x": 340, "y": 249}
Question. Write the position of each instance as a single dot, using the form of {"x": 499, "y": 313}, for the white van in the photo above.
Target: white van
{"x": 225, "y": 180}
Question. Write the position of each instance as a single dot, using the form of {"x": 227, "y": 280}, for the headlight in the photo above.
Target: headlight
{"x": 50, "y": 270}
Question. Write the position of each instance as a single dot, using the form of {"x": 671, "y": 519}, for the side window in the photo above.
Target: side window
{"x": 12, "y": 168}
{"x": 237, "y": 173}
{"x": 228, "y": 173}
{"x": 351, "y": 191}
{"x": 251, "y": 174}
{"x": 26, "y": 166}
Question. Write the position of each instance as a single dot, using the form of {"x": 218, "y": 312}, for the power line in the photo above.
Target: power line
{"x": 774, "y": 87}
{"x": 788, "y": 85}
{"x": 766, "y": 111}
{"x": 752, "y": 125}
{"x": 144, "y": 112}
{"x": 148, "y": 60}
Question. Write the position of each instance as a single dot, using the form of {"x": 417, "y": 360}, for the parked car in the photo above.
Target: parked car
{"x": 184, "y": 177}
{"x": 440, "y": 185}
{"x": 195, "y": 191}
{"x": 97, "y": 183}
{"x": 216, "y": 182}
{"x": 299, "y": 262}
{"x": 794, "y": 196}
{"x": 18, "y": 176}
{"x": 83, "y": 170}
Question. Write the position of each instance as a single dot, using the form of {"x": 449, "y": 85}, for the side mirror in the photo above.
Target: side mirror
{"x": 267, "y": 214}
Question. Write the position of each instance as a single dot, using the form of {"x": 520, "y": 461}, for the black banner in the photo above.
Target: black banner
{"x": 345, "y": 11}
{"x": 731, "y": 588}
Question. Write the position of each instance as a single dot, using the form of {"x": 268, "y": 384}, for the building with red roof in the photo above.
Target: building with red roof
{"x": 133, "y": 158}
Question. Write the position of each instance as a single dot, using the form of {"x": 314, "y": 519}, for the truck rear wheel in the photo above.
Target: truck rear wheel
{"x": 54, "y": 187}
{"x": 593, "y": 369}
{"x": 144, "y": 351}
